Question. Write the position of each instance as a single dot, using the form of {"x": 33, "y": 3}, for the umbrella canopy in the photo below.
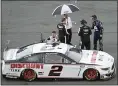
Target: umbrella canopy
{"x": 64, "y": 9}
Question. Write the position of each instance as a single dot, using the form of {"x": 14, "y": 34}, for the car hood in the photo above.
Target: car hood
{"x": 96, "y": 57}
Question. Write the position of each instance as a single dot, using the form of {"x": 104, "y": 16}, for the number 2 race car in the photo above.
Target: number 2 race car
{"x": 57, "y": 60}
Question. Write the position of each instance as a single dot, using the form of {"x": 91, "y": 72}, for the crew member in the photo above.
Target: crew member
{"x": 62, "y": 31}
{"x": 68, "y": 27}
{"x": 84, "y": 33}
{"x": 53, "y": 38}
{"x": 98, "y": 33}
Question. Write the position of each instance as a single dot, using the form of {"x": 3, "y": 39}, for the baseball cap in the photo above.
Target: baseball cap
{"x": 83, "y": 21}
{"x": 94, "y": 16}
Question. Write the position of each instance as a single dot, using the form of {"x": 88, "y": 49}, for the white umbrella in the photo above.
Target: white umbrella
{"x": 64, "y": 9}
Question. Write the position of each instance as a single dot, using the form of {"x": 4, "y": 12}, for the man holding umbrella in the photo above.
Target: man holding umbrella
{"x": 68, "y": 27}
{"x": 64, "y": 10}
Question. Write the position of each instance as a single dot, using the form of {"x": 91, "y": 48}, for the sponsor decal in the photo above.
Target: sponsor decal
{"x": 40, "y": 73}
{"x": 82, "y": 66}
{"x": 15, "y": 70}
{"x": 27, "y": 65}
{"x": 55, "y": 70}
{"x": 93, "y": 59}
{"x": 10, "y": 73}
{"x": 100, "y": 57}
{"x": 47, "y": 48}
{"x": 91, "y": 66}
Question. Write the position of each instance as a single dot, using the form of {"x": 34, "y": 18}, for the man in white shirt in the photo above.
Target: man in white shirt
{"x": 68, "y": 27}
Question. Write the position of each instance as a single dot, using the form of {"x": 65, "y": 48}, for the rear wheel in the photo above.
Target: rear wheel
{"x": 29, "y": 75}
{"x": 91, "y": 74}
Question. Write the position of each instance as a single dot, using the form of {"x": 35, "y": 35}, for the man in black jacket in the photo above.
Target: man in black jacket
{"x": 62, "y": 32}
{"x": 84, "y": 33}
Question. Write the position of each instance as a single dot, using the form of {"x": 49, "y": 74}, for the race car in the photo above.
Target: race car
{"x": 56, "y": 60}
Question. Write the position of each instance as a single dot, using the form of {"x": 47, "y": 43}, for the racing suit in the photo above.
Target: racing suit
{"x": 62, "y": 33}
{"x": 84, "y": 33}
{"x": 98, "y": 33}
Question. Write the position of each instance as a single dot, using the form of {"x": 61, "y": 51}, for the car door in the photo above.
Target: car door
{"x": 57, "y": 65}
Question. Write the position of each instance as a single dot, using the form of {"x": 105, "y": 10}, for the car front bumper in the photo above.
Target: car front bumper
{"x": 108, "y": 75}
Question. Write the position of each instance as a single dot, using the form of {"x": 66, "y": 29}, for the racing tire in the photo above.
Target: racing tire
{"x": 28, "y": 75}
{"x": 91, "y": 74}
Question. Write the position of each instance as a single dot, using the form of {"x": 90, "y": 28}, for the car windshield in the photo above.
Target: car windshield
{"x": 75, "y": 54}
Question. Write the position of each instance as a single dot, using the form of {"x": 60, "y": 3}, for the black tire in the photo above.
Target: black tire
{"x": 28, "y": 75}
{"x": 91, "y": 74}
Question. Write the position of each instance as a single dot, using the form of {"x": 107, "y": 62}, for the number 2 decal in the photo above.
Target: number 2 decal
{"x": 55, "y": 71}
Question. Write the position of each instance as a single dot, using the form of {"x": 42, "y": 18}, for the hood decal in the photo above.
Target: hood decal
{"x": 93, "y": 59}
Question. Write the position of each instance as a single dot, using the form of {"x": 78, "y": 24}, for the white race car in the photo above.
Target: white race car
{"x": 57, "y": 60}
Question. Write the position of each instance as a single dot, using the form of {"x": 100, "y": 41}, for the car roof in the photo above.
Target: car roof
{"x": 44, "y": 47}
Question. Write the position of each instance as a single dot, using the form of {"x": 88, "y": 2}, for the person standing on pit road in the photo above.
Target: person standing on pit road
{"x": 62, "y": 31}
{"x": 84, "y": 33}
{"x": 98, "y": 33}
{"x": 68, "y": 27}
{"x": 53, "y": 38}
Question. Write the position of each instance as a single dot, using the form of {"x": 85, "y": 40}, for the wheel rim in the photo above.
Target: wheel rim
{"x": 91, "y": 74}
{"x": 29, "y": 74}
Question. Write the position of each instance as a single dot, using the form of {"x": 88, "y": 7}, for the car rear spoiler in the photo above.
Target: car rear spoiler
{"x": 6, "y": 45}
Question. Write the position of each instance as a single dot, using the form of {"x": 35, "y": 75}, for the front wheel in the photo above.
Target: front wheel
{"x": 29, "y": 75}
{"x": 91, "y": 74}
